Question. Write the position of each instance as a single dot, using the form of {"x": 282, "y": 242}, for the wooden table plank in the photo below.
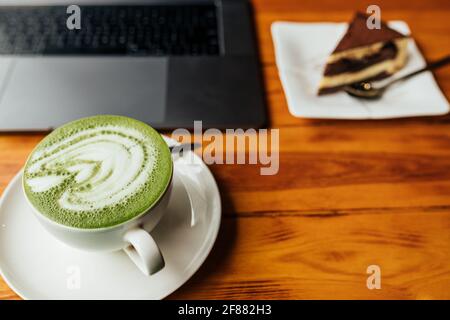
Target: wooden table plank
{"x": 296, "y": 257}
{"x": 348, "y": 193}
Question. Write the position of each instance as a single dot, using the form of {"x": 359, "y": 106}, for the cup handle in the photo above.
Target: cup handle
{"x": 144, "y": 251}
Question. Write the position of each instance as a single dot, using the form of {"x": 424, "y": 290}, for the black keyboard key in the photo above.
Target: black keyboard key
{"x": 111, "y": 30}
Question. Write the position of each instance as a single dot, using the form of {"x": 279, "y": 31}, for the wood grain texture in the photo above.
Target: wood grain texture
{"x": 348, "y": 194}
{"x": 297, "y": 257}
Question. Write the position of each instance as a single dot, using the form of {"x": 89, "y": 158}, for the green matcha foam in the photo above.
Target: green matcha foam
{"x": 98, "y": 172}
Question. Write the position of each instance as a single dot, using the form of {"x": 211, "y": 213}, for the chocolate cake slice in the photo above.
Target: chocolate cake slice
{"x": 364, "y": 54}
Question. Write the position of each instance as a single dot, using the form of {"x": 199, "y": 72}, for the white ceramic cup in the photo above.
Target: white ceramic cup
{"x": 132, "y": 236}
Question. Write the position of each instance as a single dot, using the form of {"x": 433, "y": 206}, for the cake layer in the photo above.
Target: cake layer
{"x": 386, "y": 67}
{"x": 350, "y": 64}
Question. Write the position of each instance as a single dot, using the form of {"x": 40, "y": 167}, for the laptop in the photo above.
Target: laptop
{"x": 164, "y": 62}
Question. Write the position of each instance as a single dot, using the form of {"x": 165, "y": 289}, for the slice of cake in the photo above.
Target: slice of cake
{"x": 364, "y": 54}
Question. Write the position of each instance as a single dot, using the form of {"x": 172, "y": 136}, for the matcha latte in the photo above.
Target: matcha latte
{"x": 98, "y": 172}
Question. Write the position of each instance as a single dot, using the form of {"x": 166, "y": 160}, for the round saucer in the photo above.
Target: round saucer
{"x": 37, "y": 266}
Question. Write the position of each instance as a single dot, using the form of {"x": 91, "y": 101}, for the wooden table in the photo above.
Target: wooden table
{"x": 349, "y": 194}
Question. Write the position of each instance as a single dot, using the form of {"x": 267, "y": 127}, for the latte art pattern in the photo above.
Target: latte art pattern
{"x": 114, "y": 161}
{"x": 98, "y": 175}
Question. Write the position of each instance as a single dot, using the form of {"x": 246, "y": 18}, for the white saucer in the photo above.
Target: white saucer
{"x": 37, "y": 266}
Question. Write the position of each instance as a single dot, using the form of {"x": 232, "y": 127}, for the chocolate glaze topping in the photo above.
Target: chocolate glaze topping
{"x": 358, "y": 35}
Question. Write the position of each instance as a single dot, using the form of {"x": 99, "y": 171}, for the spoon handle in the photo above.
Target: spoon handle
{"x": 430, "y": 66}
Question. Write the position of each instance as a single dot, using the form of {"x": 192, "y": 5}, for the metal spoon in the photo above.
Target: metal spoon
{"x": 366, "y": 90}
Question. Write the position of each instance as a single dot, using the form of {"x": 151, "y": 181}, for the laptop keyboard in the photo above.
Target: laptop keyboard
{"x": 156, "y": 30}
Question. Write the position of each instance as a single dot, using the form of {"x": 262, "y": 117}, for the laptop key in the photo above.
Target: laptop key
{"x": 111, "y": 30}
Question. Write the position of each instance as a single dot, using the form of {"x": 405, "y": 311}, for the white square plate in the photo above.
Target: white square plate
{"x": 301, "y": 50}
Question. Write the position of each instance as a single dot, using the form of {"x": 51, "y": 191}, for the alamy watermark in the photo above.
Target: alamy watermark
{"x": 234, "y": 146}
{"x": 73, "y": 280}
{"x": 374, "y": 19}
{"x": 73, "y": 22}
{"x": 374, "y": 278}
